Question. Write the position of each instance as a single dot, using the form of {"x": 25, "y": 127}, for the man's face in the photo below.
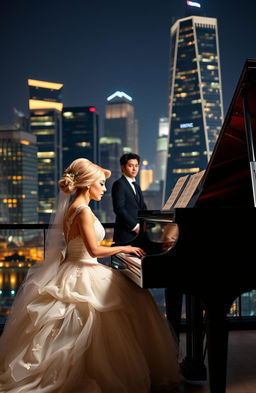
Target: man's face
{"x": 131, "y": 169}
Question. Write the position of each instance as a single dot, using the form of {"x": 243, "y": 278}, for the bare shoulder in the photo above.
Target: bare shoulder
{"x": 86, "y": 215}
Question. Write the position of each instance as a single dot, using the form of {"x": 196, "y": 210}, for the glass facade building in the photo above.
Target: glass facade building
{"x": 120, "y": 121}
{"x": 161, "y": 152}
{"x": 46, "y": 124}
{"x": 110, "y": 153}
{"x": 80, "y": 134}
{"x": 18, "y": 177}
{"x": 195, "y": 100}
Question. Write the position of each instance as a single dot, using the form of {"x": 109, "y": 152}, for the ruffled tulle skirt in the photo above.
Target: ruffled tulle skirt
{"x": 90, "y": 330}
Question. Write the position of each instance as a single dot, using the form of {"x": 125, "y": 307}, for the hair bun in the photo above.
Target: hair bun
{"x": 67, "y": 183}
{"x": 81, "y": 174}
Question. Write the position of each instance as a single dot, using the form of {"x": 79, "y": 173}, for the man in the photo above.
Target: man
{"x": 127, "y": 200}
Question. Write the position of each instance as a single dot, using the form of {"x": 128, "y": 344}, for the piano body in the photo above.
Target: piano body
{"x": 214, "y": 235}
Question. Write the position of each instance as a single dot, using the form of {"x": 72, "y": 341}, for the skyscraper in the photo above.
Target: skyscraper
{"x": 120, "y": 121}
{"x": 110, "y": 153}
{"x": 18, "y": 176}
{"x": 80, "y": 134}
{"x": 195, "y": 101}
{"x": 45, "y": 122}
{"x": 161, "y": 149}
{"x": 146, "y": 175}
{"x": 161, "y": 155}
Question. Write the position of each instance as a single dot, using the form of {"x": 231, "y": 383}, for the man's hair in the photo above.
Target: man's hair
{"x": 129, "y": 156}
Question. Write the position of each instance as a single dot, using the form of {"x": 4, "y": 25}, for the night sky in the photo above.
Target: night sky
{"x": 97, "y": 47}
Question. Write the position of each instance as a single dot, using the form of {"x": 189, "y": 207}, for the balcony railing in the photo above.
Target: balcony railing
{"x": 21, "y": 245}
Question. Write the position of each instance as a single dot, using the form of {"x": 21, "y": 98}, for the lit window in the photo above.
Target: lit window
{"x": 68, "y": 115}
{"x": 45, "y": 154}
{"x": 83, "y": 144}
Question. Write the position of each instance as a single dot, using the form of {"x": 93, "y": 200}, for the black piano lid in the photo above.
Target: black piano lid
{"x": 157, "y": 214}
{"x": 227, "y": 179}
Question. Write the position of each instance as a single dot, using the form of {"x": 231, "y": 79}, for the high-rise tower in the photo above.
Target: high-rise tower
{"x": 18, "y": 176}
{"x": 195, "y": 101}
{"x": 120, "y": 121}
{"x": 80, "y": 134}
{"x": 45, "y": 108}
{"x": 110, "y": 153}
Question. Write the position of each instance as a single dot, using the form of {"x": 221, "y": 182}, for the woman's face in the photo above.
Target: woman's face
{"x": 98, "y": 188}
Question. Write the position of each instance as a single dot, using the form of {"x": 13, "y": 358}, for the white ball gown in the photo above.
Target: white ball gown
{"x": 89, "y": 330}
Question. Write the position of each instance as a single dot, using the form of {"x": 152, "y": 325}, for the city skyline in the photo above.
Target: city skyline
{"x": 95, "y": 49}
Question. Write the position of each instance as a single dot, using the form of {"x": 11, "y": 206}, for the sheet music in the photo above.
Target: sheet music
{"x": 183, "y": 190}
{"x": 189, "y": 189}
{"x": 175, "y": 192}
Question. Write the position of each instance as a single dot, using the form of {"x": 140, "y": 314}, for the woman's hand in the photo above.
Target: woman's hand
{"x": 133, "y": 250}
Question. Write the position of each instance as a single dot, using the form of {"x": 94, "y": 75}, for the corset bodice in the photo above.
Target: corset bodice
{"x": 76, "y": 249}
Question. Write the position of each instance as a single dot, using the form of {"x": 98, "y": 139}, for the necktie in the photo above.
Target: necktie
{"x": 136, "y": 191}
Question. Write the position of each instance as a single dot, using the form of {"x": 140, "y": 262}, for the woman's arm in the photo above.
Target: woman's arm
{"x": 86, "y": 229}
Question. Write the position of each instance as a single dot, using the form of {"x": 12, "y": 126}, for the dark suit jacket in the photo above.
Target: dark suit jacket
{"x": 126, "y": 206}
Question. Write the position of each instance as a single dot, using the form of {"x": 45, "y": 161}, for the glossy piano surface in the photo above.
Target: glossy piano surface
{"x": 158, "y": 235}
{"x": 216, "y": 236}
{"x": 227, "y": 181}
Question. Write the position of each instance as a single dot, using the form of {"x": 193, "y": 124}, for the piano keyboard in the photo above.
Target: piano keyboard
{"x": 130, "y": 265}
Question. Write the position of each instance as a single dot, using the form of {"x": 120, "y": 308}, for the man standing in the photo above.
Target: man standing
{"x": 127, "y": 200}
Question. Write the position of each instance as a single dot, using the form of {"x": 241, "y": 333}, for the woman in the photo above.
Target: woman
{"x": 77, "y": 325}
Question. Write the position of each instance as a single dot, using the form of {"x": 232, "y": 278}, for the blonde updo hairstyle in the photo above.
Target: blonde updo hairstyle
{"x": 80, "y": 174}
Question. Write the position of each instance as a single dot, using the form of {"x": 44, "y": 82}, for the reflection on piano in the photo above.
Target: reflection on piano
{"x": 215, "y": 236}
{"x": 158, "y": 235}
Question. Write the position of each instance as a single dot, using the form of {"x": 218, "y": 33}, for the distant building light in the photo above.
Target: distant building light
{"x": 12, "y": 292}
{"x": 46, "y": 85}
{"x": 193, "y": 4}
{"x": 186, "y": 170}
{"x": 186, "y": 125}
{"x": 45, "y": 154}
{"x": 68, "y": 114}
{"x": 83, "y": 144}
{"x": 40, "y": 104}
{"x": 92, "y": 109}
{"x": 109, "y": 140}
{"x": 120, "y": 94}
{"x": 24, "y": 142}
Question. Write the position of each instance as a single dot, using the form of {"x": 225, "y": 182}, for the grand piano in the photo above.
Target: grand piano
{"x": 209, "y": 254}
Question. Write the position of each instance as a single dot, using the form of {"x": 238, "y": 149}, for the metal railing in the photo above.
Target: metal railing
{"x": 236, "y": 316}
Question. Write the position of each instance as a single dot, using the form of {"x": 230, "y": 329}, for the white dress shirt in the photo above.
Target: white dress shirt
{"x": 131, "y": 180}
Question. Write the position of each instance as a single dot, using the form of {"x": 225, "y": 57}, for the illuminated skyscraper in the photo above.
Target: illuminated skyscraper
{"x": 146, "y": 175}
{"x": 161, "y": 149}
{"x": 120, "y": 121}
{"x": 195, "y": 102}
{"x": 18, "y": 176}
{"x": 46, "y": 123}
{"x": 110, "y": 153}
{"x": 80, "y": 134}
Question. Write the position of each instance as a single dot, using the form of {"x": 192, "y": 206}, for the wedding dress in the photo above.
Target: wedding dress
{"x": 89, "y": 330}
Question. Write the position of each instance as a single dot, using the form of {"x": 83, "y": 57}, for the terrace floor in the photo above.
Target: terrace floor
{"x": 241, "y": 369}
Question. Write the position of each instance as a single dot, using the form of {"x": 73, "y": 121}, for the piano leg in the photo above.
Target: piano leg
{"x": 217, "y": 345}
{"x": 173, "y": 301}
{"x": 193, "y": 367}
